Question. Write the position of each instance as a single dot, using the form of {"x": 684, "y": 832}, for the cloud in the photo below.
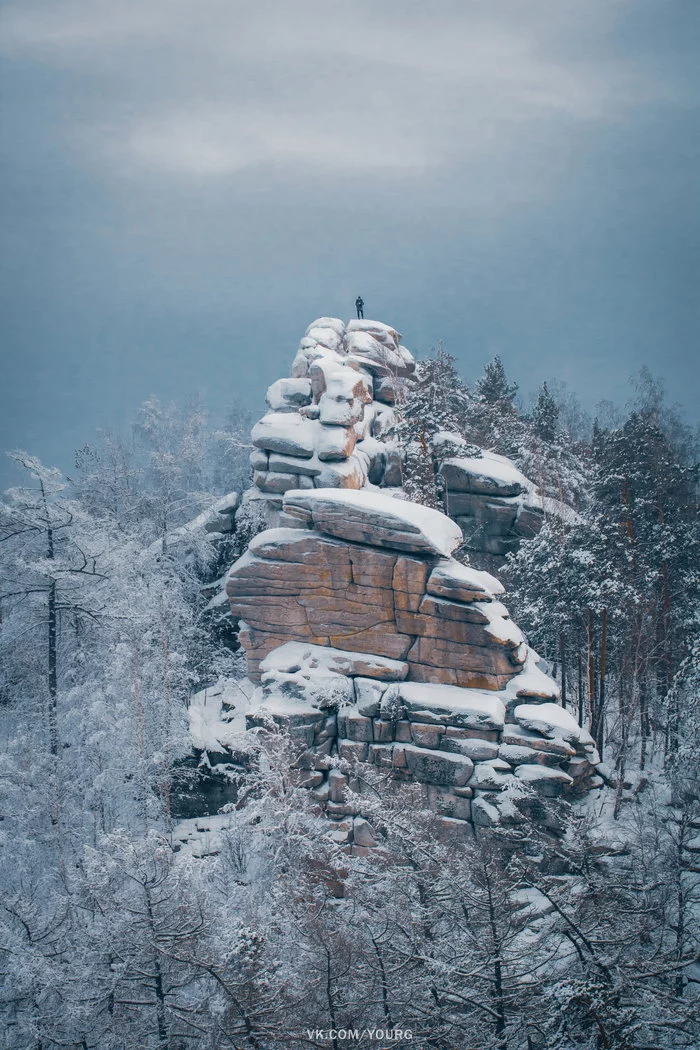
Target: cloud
{"x": 223, "y": 143}
{"x": 213, "y": 89}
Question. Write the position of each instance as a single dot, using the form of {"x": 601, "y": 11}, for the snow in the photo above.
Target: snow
{"x": 448, "y": 437}
{"x": 283, "y": 706}
{"x": 492, "y": 466}
{"x": 487, "y": 778}
{"x": 202, "y": 836}
{"x": 501, "y": 628}
{"x": 383, "y": 332}
{"x": 220, "y": 598}
{"x": 364, "y": 343}
{"x": 344, "y": 383}
{"x": 286, "y": 432}
{"x": 263, "y": 545}
{"x": 531, "y": 681}
{"x": 486, "y": 707}
{"x": 440, "y": 533}
{"x": 557, "y": 509}
{"x": 453, "y": 572}
{"x": 217, "y": 714}
{"x": 297, "y": 656}
{"x": 327, "y": 337}
{"x": 327, "y": 322}
{"x": 550, "y": 720}
{"x": 531, "y": 774}
{"x": 531, "y": 900}
{"x": 225, "y": 505}
{"x": 350, "y": 472}
{"x": 288, "y": 395}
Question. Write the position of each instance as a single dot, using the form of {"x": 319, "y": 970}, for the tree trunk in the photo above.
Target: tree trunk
{"x": 562, "y": 661}
{"x": 499, "y": 999}
{"x": 52, "y": 664}
{"x": 600, "y": 720}
{"x": 624, "y": 743}
{"x": 385, "y": 988}
{"x": 591, "y": 668}
{"x": 643, "y": 719}
{"x": 680, "y": 918}
{"x": 161, "y": 1015}
{"x": 53, "y": 669}
{"x": 330, "y": 1000}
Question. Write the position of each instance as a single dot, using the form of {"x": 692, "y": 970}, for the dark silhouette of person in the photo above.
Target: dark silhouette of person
{"x": 360, "y": 306}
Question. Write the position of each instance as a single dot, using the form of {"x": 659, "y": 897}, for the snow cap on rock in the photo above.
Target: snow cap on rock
{"x": 363, "y": 516}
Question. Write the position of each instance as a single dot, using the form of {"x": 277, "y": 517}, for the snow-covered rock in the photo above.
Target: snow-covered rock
{"x": 544, "y": 779}
{"x": 285, "y": 432}
{"x": 374, "y": 646}
{"x": 353, "y": 577}
{"x": 451, "y": 579}
{"x": 217, "y": 715}
{"x": 438, "y": 767}
{"x": 489, "y": 475}
{"x": 341, "y": 378}
{"x": 378, "y": 520}
{"x": 468, "y": 708}
{"x": 300, "y": 658}
{"x": 549, "y": 719}
{"x": 288, "y": 395}
{"x": 371, "y": 643}
{"x": 349, "y": 376}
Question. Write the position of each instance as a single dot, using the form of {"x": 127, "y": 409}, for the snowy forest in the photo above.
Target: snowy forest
{"x": 116, "y": 934}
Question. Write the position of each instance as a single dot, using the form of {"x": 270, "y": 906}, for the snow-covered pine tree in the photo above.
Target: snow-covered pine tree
{"x": 494, "y": 386}
{"x": 645, "y": 491}
{"x": 492, "y": 420}
{"x": 545, "y": 415}
{"x": 435, "y": 402}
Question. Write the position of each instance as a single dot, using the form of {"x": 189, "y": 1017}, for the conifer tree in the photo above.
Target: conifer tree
{"x": 545, "y": 415}
{"x": 436, "y": 402}
{"x": 494, "y": 387}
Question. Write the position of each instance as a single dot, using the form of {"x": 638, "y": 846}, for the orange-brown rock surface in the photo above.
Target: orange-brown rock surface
{"x": 366, "y": 573}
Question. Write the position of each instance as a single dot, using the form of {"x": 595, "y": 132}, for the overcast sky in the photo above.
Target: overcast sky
{"x": 188, "y": 183}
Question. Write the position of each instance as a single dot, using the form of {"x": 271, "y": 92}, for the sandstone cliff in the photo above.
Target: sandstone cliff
{"x": 372, "y": 644}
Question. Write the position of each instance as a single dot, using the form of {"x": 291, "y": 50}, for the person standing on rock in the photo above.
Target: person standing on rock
{"x": 360, "y": 306}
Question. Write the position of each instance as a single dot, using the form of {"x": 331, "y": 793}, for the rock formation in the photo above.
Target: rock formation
{"x": 329, "y": 425}
{"x": 368, "y": 573}
{"x": 493, "y": 503}
{"x": 324, "y": 422}
{"x": 372, "y": 644}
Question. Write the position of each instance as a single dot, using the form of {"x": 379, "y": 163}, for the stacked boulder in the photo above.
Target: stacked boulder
{"x": 325, "y": 421}
{"x": 330, "y": 425}
{"x": 372, "y": 646}
{"x": 492, "y": 501}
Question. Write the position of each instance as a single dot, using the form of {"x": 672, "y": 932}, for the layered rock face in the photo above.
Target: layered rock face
{"x": 373, "y": 645}
{"x": 369, "y": 573}
{"x": 329, "y": 426}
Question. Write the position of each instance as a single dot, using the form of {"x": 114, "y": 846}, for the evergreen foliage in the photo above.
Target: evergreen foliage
{"x": 545, "y": 415}
{"x": 437, "y": 402}
{"x": 494, "y": 387}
